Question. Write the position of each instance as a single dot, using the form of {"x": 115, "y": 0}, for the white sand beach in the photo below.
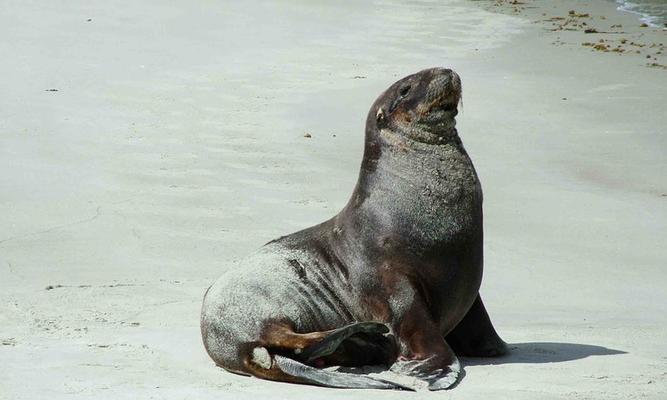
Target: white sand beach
{"x": 144, "y": 146}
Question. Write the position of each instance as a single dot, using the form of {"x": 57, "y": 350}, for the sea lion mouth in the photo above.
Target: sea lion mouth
{"x": 438, "y": 117}
{"x": 447, "y": 90}
{"x": 449, "y": 107}
{"x": 442, "y": 98}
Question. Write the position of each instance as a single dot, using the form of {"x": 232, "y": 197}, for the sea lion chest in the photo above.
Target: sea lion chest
{"x": 431, "y": 194}
{"x": 427, "y": 209}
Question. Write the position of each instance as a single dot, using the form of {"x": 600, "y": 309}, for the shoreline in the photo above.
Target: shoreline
{"x": 607, "y": 29}
{"x": 643, "y": 16}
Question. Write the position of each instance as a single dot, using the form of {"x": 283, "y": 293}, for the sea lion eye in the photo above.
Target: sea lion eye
{"x": 404, "y": 91}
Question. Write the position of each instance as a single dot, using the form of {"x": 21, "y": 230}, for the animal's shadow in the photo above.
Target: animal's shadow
{"x": 520, "y": 353}
{"x": 543, "y": 352}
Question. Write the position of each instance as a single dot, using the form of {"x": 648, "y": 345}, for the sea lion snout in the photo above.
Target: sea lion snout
{"x": 443, "y": 92}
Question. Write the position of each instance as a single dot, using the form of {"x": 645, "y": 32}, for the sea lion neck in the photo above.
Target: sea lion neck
{"x": 419, "y": 140}
{"x": 381, "y": 141}
{"x": 412, "y": 183}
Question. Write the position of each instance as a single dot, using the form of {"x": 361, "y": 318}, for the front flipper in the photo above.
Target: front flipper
{"x": 475, "y": 336}
{"x": 425, "y": 355}
{"x": 433, "y": 373}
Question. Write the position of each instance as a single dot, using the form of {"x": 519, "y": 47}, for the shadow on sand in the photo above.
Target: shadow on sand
{"x": 520, "y": 353}
{"x": 543, "y": 352}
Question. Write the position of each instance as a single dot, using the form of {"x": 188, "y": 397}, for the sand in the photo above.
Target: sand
{"x": 145, "y": 145}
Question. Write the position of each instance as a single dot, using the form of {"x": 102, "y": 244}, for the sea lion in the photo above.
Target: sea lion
{"x": 392, "y": 280}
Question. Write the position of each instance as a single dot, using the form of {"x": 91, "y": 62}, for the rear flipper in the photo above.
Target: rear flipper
{"x": 325, "y": 377}
{"x": 294, "y": 357}
{"x": 475, "y": 336}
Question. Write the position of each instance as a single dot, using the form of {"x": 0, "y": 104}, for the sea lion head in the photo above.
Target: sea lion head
{"x": 420, "y": 107}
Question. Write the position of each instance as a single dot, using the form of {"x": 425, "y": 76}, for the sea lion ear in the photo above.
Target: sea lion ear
{"x": 379, "y": 116}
